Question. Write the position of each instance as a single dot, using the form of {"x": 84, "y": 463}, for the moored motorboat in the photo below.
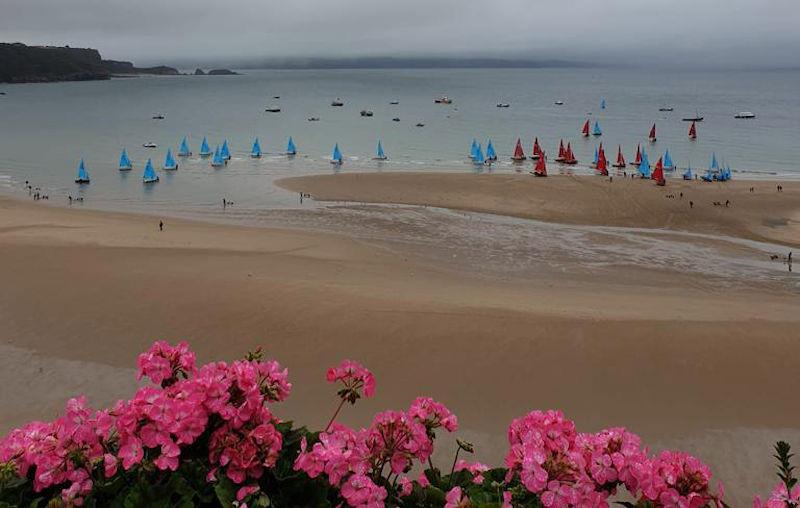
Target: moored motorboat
{"x": 149, "y": 144}
{"x": 366, "y": 112}
{"x": 745, "y": 115}
{"x": 666, "y": 109}
{"x": 337, "y": 103}
{"x": 273, "y": 110}
{"x": 503, "y": 105}
{"x": 443, "y": 100}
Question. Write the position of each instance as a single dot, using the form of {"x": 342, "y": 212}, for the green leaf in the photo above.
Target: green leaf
{"x": 226, "y": 492}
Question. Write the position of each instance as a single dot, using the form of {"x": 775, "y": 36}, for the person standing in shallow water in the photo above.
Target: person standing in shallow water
{"x": 161, "y": 225}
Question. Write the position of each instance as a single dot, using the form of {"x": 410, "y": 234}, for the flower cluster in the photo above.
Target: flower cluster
{"x": 164, "y": 364}
{"x": 355, "y": 378}
{"x": 565, "y": 468}
{"x": 389, "y": 446}
{"x": 780, "y": 498}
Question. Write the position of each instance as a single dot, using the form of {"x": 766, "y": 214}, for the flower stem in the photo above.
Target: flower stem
{"x": 333, "y": 418}
{"x": 453, "y": 469}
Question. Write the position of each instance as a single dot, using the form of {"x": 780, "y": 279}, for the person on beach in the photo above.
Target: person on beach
{"x": 161, "y": 225}
{"x": 70, "y": 199}
{"x": 691, "y": 204}
{"x": 727, "y": 202}
{"x": 224, "y": 203}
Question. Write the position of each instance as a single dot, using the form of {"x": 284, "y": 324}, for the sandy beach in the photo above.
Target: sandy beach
{"x": 703, "y": 361}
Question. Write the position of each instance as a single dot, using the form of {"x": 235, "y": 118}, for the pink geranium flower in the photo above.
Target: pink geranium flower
{"x": 355, "y": 378}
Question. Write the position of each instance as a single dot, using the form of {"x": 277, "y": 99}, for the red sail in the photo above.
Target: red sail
{"x": 536, "y": 148}
{"x": 601, "y": 154}
{"x": 602, "y": 164}
{"x": 569, "y": 157}
{"x": 519, "y": 154}
{"x": 541, "y": 167}
{"x": 561, "y": 149}
{"x": 658, "y": 172}
{"x": 586, "y": 129}
{"x": 693, "y": 131}
{"x": 620, "y": 157}
{"x": 638, "y": 159}
{"x": 653, "y": 133}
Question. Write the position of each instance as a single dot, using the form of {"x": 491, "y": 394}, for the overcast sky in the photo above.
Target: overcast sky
{"x": 722, "y": 32}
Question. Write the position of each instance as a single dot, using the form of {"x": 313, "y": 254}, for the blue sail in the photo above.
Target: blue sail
{"x": 205, "y": 150}
{"x": 479, "y": 155}
{"x": 602, "y": 104}
{"x": 714, "y": 164}
{"x": 225, "y": 152}
{"x": 124, "y": 161}
{"x": 380, "y": 153}
{"x": 596, "y": 157}
{"x": 668, "y": 165}
{"x": 596, "y": 131}
{"x": 473, "y": 148}
{"x": 256, "y": 151}
{"x": 83, "y": 175}
{"x": 149, "y": 173}
{"x": 290, "y": 148}
{"x": 644, "y": 167}
{"x": 336, "y": 156}
{"x": 217, "y": 160}
{"x": 169, "y": 160}
{"x": 184, "y": 151}
{"x": 490, "y": 153}
{"x": 687, "y": 175}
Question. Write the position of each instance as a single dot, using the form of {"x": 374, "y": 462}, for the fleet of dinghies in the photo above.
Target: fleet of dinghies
{"x": 600, "y": 163}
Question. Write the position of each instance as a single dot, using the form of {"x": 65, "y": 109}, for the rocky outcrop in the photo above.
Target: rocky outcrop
{"x": 35, "y": 64}
{"x": 199, "y": 72}
{"x": 222, "y": 72}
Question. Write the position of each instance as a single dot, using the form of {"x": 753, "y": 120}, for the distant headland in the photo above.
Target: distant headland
{"x": 20, "y": 63}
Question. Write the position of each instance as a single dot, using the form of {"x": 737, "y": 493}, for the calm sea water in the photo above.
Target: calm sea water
{"x": 46, "y": 128}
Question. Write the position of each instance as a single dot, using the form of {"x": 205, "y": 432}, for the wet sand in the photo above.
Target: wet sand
{"x": 763, "y": 214}
{"x": 671, "y": 355}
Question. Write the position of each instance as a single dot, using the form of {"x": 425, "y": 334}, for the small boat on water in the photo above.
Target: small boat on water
{"x": 536, "y": 152}
{"x": 337, "y": 103}
{"x": 569, "y": 157}
{"x": 693, "y": 130}
{"x": 394, "y": 103}
{"x": 225, "y": 151}
{"x": 541, "y": 166}
{"x": 169, "y": 161}
{"x": 205, "y": 150}
{"x": 291, "y": 149}
{"x": 638, "y": 159}
{"x": 658, "y": 173}
{"x": 183, "y": 150}
{"x": 620, "y": 158}
{"x": 218, "y": 160}
{"x": 272, "y": 110}
{"x": 668, "y": 165}
{"x": 395, "y": 119}
{"x": 602, "y": 163}
{"x": 125, "y": 161}
{"x": 313, "y": 119}
{"x": 158, "y": 116}
{"x": 559, "y": 103}
{"x": 688, "y": 175}
{"x": 479, "y": 159}
{"x": 745, "y": 115}
{"x": 666, "y": 109}
{"x": 149, "y": 175}
{"x": 149, "y": 144}
{"x": 585, "y": 129}
{"x": 561, "y": 151}
{"x": 473, "y": 149}
{"x": 366, "y": 112}
{"x": 491, "y": 154}
{"x": 519, "y": 153}
{"x": 83, "y": 175}
{"x": 596, "y": 130}
{"x": 602, "y": 104}
{"x": 420, "y": 125}
{"x": 695, "y": 118}
{"x": 652, "y": 135}
{"x": 443, "y": 100}
{"x": 644, "y": 165}
{"x": 255, "y": 152}
{"x": 380, "y": 155}
{"x": 503, "y": 105}
{"x": 336, "y": 156}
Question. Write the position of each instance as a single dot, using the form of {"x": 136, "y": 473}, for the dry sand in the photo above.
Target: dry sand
{"x": 83, "y": 292}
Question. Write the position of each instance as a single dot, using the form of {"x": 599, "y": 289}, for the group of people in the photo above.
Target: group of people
{"x": 35, "y": 192}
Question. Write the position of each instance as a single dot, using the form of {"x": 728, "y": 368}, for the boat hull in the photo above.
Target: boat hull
{"x": 81, "y": 181}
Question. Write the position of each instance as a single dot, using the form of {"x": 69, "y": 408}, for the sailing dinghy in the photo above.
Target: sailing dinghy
{"x": 561, "y": 152}
{"x": 225, "y": 151}
{"x": 668, "y": 165}
{"x": 255, "y": 152}
{"x": 124, "y": 161}
{"x": 620, "y": 158}
{"x": 149, "y": 175}
{"x": 83, "y": 175}
{"x": 336, "y": 156}
{"x": 638, "y": 159}
{"x": 291, "y": 149}
{"x": 596, "y": 130}
{"x": 693, "y": 130}
{"x": 217, "y": 161}
{"x": 536, "y": 152}
{"x": 585, "y": 129}
{"x": 184, "y": 151}
{"x": 205, "y": 150}
{"x": 644, "y": 166}
{"x": 169, "y": 161}
{"x": 491, "y": 155}
{"x": 652, "y": 135}
{"x": 541, "y": 166}
{"x": 380, "y": 155}
{"x": 519, "y": 153}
